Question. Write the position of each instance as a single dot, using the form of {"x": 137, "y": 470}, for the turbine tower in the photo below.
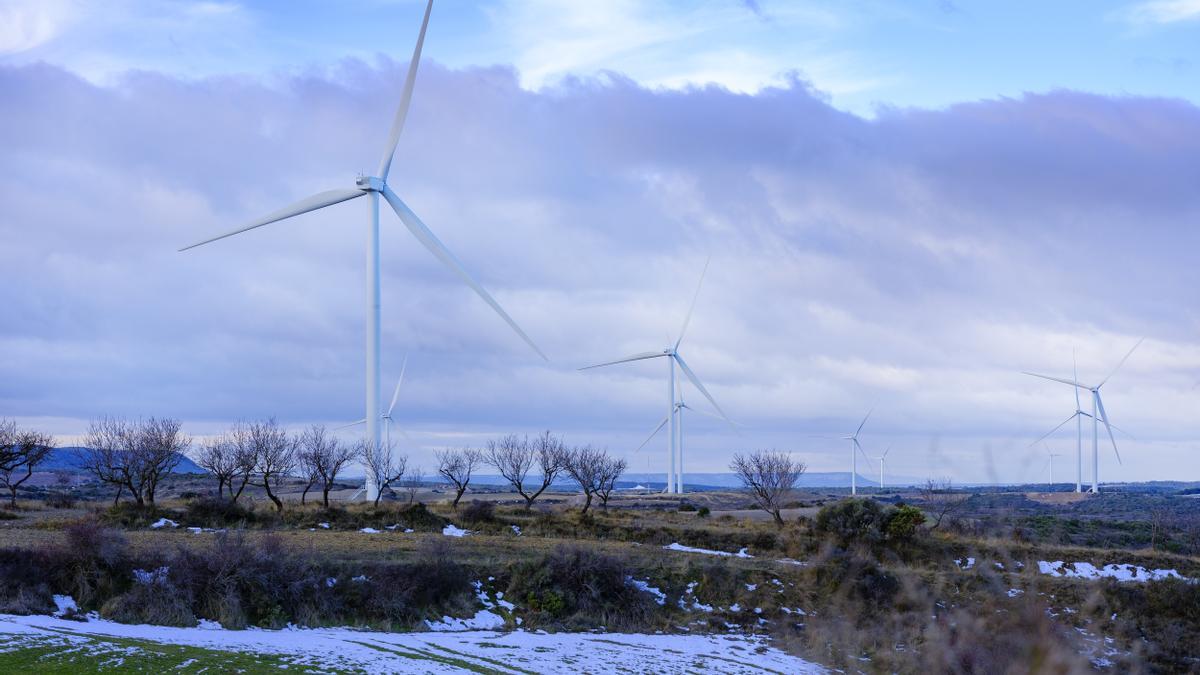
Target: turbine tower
{"x": 881, "y": 458}
{"x": 374, "y": 187}
{"x": 1050, "y": 460}
{"x": 671, "y": 353}
{"x": 678, "y": 409}
{"x": 1097, "y": 415}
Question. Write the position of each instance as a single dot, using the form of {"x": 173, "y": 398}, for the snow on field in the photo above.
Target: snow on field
{"x": 163, "y": 522}
{"x": 680, "y": 547}
{"x": 65, "y": 604}
{"x": 475, "y": 651}
{"x": 452, "y": 531}
{"x": 965, "y": 563}
{"x": 1086, "y": 570}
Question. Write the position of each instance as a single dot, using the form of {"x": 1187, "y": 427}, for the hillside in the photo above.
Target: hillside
{"x": 68, "y": 459}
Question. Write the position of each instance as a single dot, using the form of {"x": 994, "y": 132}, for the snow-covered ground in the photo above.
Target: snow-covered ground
{"x": 688, "y": 549}
{"x": 1086, "y": 570}
{"x": 477, "y": 651}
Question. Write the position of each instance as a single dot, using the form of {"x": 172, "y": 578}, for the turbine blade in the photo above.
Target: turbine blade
{"x": 627, "y": 359}
{"x": 1054, "y": 379}
{"x": 654, "y": 433}
{"x": 438, "y": 249}
{"x": 860, "y": 449}
{"x": 885, "y": 452}
{"x": 317, "y": 201}
{"x": 1060, "y": 425}
{"x": 688, "y": 319}
{"x": 864, "y": 422}
{"x": 696, "y": 381}
{"x": 1075, "y": 375}
{"x": 352, "y": 424}
{"x": 1114, "y": 370}
{"x": 396, "y": 393}
{"x": 1107, "y": 426}
{"x": 403, "y": 433}
{"x": 714, "y": 415}
{"x": 389, "y": 151}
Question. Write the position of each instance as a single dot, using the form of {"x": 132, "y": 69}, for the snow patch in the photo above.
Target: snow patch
{"x": 452, "y": 531}
{"x": 966, "y": 563}
{"x": 516, "y": 530}
{"x": 1086, "y": 570}
{"x": 688, "y": 549}
{"x": 369, "y": 530}
{"x": 645, "y": 587}
{"x": 163, "y": 522}
{"x": 65, "y": 604}
{"x": 484, "y": 619}
{"x": 323, "y": 526}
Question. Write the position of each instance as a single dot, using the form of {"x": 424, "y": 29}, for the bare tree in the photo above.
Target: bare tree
{"x": 20, "y": 454}
{"x": 586, "y": 466}
{"x": 383, "y": 464}
{"x": 456, "y": 466}
{"x": 160, "y": 448}
{"x": 218, "y": 456}
{"x": 938, "y": 498}
{"x": 275, "y": 452}
{"x": 515, "y": 457}
{"x": 769, "y": 475}
{"x": 611, "y": 469}
{"x": 323, "y": 457}
{"x": 412, "y": 483}
{"x": 245, "y": 458}
{"x": 134, "y": 456}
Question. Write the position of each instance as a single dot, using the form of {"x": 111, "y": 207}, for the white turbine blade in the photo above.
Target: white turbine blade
{"x": 885, "y": 452}
{"x": 438, "y": 249}
{"x": 654, "y": 433}
{"x": 1107, "y": 426}
{"x": 388, "y": 420}
{"x": 864, "y": 422}
{"x": 636, "y": 357}
{"x": 396, "y": 393}
{"x": 1060, "y": 425}
{"x": 1054, "y": 379}
{"x": 317, "y": 201}
{"x": 1114, "y": 370}
{"x": 718, "y": 417}
{"x": 692, "y": 308}
{"x": 385, "y": 164}
{"x": 1075, "y": 374}
{"x": 352, "y": 424}
{"x": 860, "y": 449}
{"x": 696, "y": 381}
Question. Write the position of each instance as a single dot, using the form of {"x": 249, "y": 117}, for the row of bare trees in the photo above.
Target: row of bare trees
{"x": 21, "y": 451}
{"x": 531, "y": 465}
{"x": 133, "y": 456}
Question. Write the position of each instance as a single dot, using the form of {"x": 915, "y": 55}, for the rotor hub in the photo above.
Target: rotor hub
{"x": 369, "y": 184}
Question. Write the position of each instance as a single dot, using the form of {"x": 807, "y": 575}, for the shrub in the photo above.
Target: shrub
{"x": 130, "y": 515}
{"x": 153, "y": 599}
{"x": 216, "y": 512}
{"x": 6, "y": 514}
{"x": 58, "y": 500}
{"x": 903, "y": 522}
{"x": 845, "y": 574}
{"x": 687, "y": 507}
{"x": 703, "y": 512}
{"x": 852, "y": 521}
{"x": 579, "y": 587}
{"x": 479, "y": 512}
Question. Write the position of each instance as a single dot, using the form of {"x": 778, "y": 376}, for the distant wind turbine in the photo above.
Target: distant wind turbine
{"x": 856, "y": 446}
{"x": 387, "y": 416}
{"x": 881, "y": 458}
{"x": 1050, "y": 460}
{"x": 671, "y": 353}
{"x": 1098, "y": 414}
{"x": 376, "y": 186}
{"x": 680, "y": 406}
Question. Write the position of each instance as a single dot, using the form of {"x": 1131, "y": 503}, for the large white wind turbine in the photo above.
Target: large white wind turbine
{"x": 855, "y": 448}
{"x": 373, "y": 187}
{"x": 671, "y": 353}
{"x": 1098, "y": 414}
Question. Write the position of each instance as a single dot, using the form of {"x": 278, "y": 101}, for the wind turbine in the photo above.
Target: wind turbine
{"x": 374, "y": 187}
{"x": 855, "y": 445}
{"x": 881, "y": 458}
{"x": 387, "y": 416}
{"x": 680, "y": 406}
{"x": 1050, "y": 460}
{"x": 1098, "y": 414}
{"x": 671, "y": 353}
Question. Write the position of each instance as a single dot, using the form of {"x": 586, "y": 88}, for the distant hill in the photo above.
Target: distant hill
{"x": 68, "y": 459}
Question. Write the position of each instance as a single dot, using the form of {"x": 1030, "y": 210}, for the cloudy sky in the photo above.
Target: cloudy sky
{"x": 905, "y": 205}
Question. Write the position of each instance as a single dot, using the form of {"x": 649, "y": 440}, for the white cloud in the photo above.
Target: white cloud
{"x": 1162, "y": 11}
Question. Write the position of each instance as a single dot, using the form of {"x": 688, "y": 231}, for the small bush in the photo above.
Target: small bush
{"x": 704, "y": 512}
{"x": 130, "y": 515}
{"x": 687, "y": 507}
{"x": 852, "y": 521}
{"x": 578, "y": 587}
{"x": 420, "y": 518}
{"x": 59, "y": 500}
{"x": 479, "y": 512}
{"x": 153, "y": 599}
{"x": 7, "y": 514}
{"x": 217, "y": 513}
{"x": 903, "y": 522}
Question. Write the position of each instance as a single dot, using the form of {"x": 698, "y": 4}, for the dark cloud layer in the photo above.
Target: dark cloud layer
{"x": 919, "y": 259}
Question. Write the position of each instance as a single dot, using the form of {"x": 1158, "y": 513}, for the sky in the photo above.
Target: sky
{"x": 904, "y": 205}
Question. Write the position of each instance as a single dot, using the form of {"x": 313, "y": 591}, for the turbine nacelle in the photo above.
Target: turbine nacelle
{"x": 369, "y": 184}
